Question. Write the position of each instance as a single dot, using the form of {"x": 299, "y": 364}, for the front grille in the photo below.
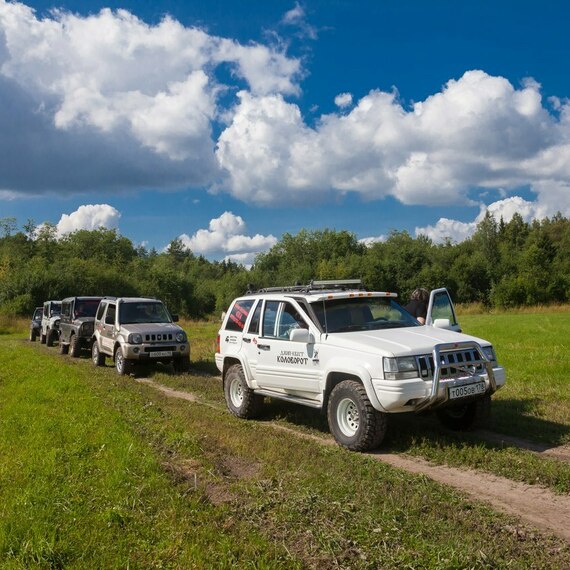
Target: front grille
{"x": 151, "y": 349}
{"x": 159, "y": 337}
{"x": 467, "y": 363}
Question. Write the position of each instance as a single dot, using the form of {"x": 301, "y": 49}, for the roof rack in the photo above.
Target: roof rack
{"x": 314, "y": 285}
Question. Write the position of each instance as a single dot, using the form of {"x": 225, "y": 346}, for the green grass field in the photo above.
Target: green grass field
{"x": 99, "y": 471}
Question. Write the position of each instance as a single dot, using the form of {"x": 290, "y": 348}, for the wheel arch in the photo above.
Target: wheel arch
{"x": 358, "y": 374}
{"x": 230, "y": 361}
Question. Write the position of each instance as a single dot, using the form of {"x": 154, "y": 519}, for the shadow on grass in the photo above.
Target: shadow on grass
{"x": 509, "y": 417}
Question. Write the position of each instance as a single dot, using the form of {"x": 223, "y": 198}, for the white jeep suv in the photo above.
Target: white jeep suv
{"x": 357, "y": 354}
{"x": 132, "y": 330}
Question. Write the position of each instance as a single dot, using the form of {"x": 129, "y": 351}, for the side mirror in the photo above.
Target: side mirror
{"x": 174, "y": 318}
{"x": 442, "y": 324}
{"x": 301, "y": 335}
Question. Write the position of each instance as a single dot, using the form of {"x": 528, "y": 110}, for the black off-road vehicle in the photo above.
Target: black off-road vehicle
{"x": 36, "y": 323}
{"x": 76, "y": 325}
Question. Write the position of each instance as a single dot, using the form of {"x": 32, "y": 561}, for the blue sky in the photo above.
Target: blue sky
{"x": 229, "y": 123}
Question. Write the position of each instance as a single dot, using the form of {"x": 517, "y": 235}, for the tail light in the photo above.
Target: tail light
{"x": 218, "y": 349}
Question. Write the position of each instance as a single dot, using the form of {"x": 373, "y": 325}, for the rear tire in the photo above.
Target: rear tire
{"x": 50, "y": 337}
{"x": 42, "y": 338}
{"x": 33, "y": 335}
{"x": 353, "y": 421}
{"x": 241, "y": 400}
{"x": 463, "y": 417}
{"x": 63, "y": 348}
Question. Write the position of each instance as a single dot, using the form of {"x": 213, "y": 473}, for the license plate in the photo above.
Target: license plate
{"x": 161, "y": 353}
{"x": 466, "y": 390}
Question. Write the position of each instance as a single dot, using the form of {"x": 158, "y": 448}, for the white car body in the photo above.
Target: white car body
{"x": 305, "y": 365}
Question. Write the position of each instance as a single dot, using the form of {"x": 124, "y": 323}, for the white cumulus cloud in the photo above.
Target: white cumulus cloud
{"x": 226, "y": 235}
{"x": 459, "y": 231}
{"x": 117, "y": 102}
{"x": 478, "y": 133}
{"x": 343, "y": 100}
{"x": 89, "y": 217}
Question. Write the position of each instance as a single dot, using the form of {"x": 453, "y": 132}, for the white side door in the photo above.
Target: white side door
{"x": 250, "y": 339}
{"x": 107, "y": 331}
{"x": 441, "y": 312}
{"x": 284, "y": 364}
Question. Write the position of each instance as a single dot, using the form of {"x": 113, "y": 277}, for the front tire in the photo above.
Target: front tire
{"x": 121, "y": 363}
{"x": 353, "y": 421}
{"x": 241, "y": 400}
{"x": 42, "y": 338}
{"x": 181, "y": 365}
{"x": 97, "y": 357}
{"x": 33, "y": 335}
{"x": 463, "y": 417}
{"x": 50, "y": 337}
{"x": 73, "y": 346}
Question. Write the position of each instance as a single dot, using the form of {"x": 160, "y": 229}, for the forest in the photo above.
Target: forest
{"x": 502, "y": 265}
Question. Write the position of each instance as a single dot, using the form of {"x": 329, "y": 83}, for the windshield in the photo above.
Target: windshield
{"x": 143, "y": 312}
{"x": 86, "y": 308}
{"x": 362, "y": 314}
{"x": 55, "y": 309}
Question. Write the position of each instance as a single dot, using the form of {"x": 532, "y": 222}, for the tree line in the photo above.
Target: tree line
{"x": 502, "y": 265}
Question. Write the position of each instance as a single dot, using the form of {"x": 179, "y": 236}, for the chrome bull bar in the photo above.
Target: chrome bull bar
{"x": 467, "y": 367}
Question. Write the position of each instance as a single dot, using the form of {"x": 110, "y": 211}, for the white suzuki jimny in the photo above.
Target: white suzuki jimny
{"x": 357, "y": 354}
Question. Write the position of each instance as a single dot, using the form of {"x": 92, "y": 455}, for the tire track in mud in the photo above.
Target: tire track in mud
{"x": 534, "y": 505}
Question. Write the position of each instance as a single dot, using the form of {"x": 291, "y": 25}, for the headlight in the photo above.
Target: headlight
{"x": 135, "y": 338}
{"x": 400, "y": 368}
{"x": 180, "y": 337}
{"x": 489, "y": 352}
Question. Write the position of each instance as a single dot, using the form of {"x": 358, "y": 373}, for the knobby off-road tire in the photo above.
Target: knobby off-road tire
{"x": 63, "y": 348}
{"x": 122, "y": 365}
{"x": 33, "y": 336}
{"x": 97, "y": 357}
{"x": 463, "y": 417}
{"x": 353, "y": 421}
{"x": 181, "y": 365}
{"x": 241, "y": 400}
{"x": 73, "y": 346}
{"x": 50, "y": 337}
{"x": 42, "y": 338}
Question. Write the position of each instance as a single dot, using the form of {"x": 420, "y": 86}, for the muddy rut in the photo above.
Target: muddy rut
{"x": 536, "y": 506}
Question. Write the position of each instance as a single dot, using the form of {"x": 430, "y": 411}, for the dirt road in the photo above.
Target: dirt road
{"x": 535, "y": 506}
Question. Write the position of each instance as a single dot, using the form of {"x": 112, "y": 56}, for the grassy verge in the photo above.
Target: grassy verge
{"x": 101, "y": 472}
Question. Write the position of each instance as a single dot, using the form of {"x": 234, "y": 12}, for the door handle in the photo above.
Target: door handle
{"x": 246, "y": 339}
{"x": 264, "y": 347}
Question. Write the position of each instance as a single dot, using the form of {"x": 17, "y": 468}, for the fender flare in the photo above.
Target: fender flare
{"x": 337, "y": 369}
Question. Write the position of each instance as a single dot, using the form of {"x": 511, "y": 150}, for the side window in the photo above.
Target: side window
{"x": 289, "y": 319}
{"x": 255, "y": 320}
{"x": 238, "y": 315}
{"x": 269, "y": 318}
{"x": 442, "y": 308}
{"x": 110, "y": 315}
{"x": 279, "y": 323}
{"x": 100, "y": 311}
{"x": 66, "y": 309}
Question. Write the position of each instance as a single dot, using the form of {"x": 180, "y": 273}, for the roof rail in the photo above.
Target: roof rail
{"x": 314, "y": 285}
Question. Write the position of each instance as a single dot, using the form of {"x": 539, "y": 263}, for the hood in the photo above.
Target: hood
{"x": 150, "y": 328}
{"x": 399, "y": 342}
